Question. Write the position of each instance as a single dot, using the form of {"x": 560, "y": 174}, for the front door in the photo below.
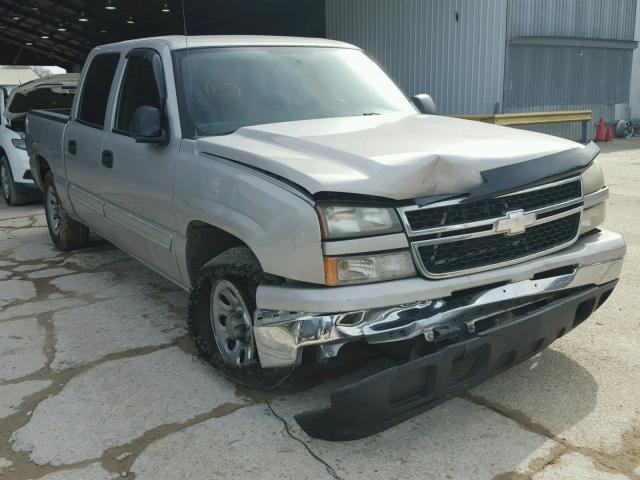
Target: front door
{"x": 84, "y": 138}
{"x": 137, "y": 178}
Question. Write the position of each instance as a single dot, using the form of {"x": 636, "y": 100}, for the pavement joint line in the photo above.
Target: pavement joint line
{"x": 536, "y": 465}
{"x": 330, "y": 470}
{"x": 50, "y": 348}
{"x": 45, "y": 373}
{"x": 606, "y": 460}
{"x": 27, "y": 470}
{"x": 133, "y": 448}
{"x": 553, "y": 458}
{"x": 517, "y": 417}
{"x": 55, "y": 310}
{"x": 58, "y": 381}
{"x": 109, "y": 458}
{"x": 23, "y": 216}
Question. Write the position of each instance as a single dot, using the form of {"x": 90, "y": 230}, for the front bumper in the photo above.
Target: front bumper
{"x": 20, "y": 169}
{"x": 287, "y": 321}
{"x": 399, "y": 393}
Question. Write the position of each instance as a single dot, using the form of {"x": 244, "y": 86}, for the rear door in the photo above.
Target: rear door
{"x": 84, "y": 138}
{"x": 137, "y": 178}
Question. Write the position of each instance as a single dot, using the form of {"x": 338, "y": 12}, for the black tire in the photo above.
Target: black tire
{"x": 68, "y": 234}
{"x": 240, "y": 267}
{"x": 9, "y": 188}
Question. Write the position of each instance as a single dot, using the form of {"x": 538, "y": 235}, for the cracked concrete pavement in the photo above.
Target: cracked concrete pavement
{"x": 98, "y": 381}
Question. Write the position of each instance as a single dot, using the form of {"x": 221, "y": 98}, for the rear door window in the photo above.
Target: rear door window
{"x": 96, "y": 89}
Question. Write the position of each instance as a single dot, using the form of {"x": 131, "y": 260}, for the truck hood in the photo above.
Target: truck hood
{"x": 395, "y": 156}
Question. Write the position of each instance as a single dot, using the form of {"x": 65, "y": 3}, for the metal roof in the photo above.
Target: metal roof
{"x": 63, "y": 32}
{"x": 15, "y": 76}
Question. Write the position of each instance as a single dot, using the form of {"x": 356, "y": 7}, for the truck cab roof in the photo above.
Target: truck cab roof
{"x": 179, "y": 42}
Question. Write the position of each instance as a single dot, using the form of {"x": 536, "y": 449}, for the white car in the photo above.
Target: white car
{"x": 51, "y": 92}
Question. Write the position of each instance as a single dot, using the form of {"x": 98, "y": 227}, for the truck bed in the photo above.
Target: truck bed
{"x": 55, "y": 114}
{"x": 44, "y": 137}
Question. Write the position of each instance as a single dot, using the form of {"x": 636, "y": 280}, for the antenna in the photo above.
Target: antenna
{"x": 186, "y": 42}
{"x": 184, "y": 26}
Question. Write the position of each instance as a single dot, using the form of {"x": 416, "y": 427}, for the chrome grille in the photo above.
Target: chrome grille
{"x": 454, "y": 238}
{"x": 493, "y": 207}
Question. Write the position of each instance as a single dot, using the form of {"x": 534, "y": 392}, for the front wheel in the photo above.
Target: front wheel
{"x": 221, "y": 306}
{"x": 65, "y": 232}
{"x": 9, "y": 188}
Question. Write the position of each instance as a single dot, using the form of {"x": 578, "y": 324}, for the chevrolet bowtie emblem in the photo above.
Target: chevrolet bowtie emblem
{"x": 516, "y": 222}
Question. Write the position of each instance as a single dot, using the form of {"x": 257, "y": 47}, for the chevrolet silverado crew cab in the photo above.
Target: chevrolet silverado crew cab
{"x": 50, "y": 92}
{"x": 311, "y": 208}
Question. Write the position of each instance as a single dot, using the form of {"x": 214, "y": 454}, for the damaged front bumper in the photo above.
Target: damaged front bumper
{"x": 452, "y": 309}
{"x": 399, "y": 393}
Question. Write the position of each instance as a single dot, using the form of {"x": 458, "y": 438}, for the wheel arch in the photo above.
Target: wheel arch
{"x": 43, "y": 168}
{"x": 204, "y": 242}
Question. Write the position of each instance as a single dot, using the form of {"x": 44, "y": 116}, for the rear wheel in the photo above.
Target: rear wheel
{"x": 9, "y": 188}
{"x": 221, "y": 306}
{"x": 65, "y": 232}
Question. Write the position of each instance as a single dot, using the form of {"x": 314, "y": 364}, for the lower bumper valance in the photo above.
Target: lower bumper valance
{"x": 401, "y": 392}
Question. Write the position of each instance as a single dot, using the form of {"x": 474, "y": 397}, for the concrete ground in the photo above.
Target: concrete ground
{"x": 98, "y": 381}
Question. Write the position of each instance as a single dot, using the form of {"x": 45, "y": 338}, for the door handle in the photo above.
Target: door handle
{"x": 107, "y": 158}
{"x": 72, "y": 147}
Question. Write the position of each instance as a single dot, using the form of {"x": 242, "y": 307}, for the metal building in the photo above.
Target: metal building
{"x": 473, "y": 56}
{"x": 499, "y": 56}
{"x": 635, "y": 73}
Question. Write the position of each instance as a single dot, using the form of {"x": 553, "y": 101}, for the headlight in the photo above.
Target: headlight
{"x": 593, "y": 178}
{"x": 339, "y": 221}
{"x": 592, "y": 183}
{"x": 368, "y": 268}
{"x": 19, "y": 143}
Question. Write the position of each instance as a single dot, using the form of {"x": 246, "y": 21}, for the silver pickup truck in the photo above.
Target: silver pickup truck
{"x": 311, "y": 208}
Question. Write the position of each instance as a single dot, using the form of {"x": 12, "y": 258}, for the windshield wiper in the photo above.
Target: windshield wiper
{"x": 370, "y": 113}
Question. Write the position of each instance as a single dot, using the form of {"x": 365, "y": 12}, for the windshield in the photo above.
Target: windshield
{"x": 229, "y": 88}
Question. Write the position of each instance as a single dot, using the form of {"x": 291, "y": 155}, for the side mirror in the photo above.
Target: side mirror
{"x": 146, "y": 126}
{"x": 425, "y": 103}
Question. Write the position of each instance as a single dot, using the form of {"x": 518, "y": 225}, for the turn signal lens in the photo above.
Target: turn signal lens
{"x": 592, "y": 217}
{"x": 368, "y": 268}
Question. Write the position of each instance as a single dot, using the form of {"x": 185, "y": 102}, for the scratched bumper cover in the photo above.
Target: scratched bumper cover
{"x": 402, "y": 392}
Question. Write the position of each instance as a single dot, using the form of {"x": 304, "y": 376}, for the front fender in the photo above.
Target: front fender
{"x": 278, "y": 224}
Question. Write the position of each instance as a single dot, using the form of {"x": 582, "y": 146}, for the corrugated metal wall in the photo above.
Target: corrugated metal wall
{"x": 635, "y": 72}
{"x": 452, "y": 49}
{"x": 545, "y": 78}
{"x": 606, "y": 19}
{"x": 566, "y": 76}
{"x": 460, "y": 52}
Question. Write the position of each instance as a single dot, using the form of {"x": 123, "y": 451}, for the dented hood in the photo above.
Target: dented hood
{"x": 391, "y": 156}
